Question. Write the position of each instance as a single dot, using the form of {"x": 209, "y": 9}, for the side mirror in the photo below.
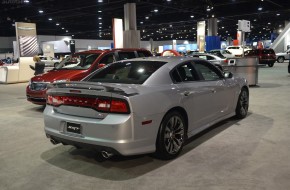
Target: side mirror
{"x": 100, "y": 65}
{"x": 228, "y": 75}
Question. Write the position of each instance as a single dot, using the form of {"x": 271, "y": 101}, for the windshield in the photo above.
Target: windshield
{"x": 78, "y": 62}
{"x": 135, "y": 72}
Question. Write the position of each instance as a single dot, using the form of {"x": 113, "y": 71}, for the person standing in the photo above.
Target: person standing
{"x": 39, "y": 66}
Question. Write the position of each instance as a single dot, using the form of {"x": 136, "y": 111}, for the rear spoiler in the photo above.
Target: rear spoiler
{"x": 91, "y": 86}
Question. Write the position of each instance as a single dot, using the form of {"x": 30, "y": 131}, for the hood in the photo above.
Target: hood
{"x": 281, "y": 53}
{"x": 54, "y": 75}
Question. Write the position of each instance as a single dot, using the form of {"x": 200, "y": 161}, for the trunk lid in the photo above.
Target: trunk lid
{"x": 81, "y": 98}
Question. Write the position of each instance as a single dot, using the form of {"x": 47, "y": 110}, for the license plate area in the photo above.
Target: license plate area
{"x": 73, "y": 128}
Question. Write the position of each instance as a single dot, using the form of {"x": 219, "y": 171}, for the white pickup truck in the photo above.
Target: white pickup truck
{"x": 283, "y": 56}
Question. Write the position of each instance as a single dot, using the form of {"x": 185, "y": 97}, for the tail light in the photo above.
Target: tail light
{"x": 226, "y": 61}
{"x": 107, "y": 105}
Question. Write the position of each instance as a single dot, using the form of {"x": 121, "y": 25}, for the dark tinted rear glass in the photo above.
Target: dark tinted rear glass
{"x": 135, "y": 72}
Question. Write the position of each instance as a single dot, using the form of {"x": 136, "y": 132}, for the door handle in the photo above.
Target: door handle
{"x": 213, "y": 91}
{"x": 186, "y": 93}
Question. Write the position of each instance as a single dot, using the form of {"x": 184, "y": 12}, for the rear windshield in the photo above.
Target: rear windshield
{"x": 77, "y": 62}
{"x": 135, "y": 72}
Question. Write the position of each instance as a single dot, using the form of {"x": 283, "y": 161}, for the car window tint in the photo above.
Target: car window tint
{"x": 135, "y": 72}
{"x": 175, "y": 76}
{"x": 186, "y": 72}
{"x": 143, "y": 54}
{"x": 207, "y": 72}
{"x": 126, "y": 55}
{"x": 209, "y": 57}
{"x": 108, "y": 59}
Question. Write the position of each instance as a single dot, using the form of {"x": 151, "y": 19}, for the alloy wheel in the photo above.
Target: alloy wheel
{"x": 173, "y": 138}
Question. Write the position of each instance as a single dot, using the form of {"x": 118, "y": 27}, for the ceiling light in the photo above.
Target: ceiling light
{"x": 269, "y": 22}
{"x": 50, "y": 19}
{"x": 278, "y": 14}
{"x": 40, "y": 11}
{"x": 147, "y": 17}
{"x": 100, "y": 23}
{"x": 66, "y": 31}
{"x": 100, "y": 27}
{"x": 100, "y": 1}
{"x": 99, "y": 11}
{"x": 57, "y": 24}
{"x": 191, "y": 16}
{"x": 141, "y": 22}
{"x": 100, "y": 18}
{"x": 26, "y": 1}
{"x": 62, "y": 28}
{"x": 260, "y": 8}
{"x": 168, "y": 0}
{"x": 155, "y": 10}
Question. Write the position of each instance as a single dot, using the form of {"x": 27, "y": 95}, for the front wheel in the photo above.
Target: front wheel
{"x": 270, "y": 64}
{"x": 243, "y": 104}
{"x": 56, "y": 64}
{"x": 280, "y": 59}
{"x": 171, "y": 135}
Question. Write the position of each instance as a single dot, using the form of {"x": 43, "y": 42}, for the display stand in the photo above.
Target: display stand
{"x": 17, "y": 73}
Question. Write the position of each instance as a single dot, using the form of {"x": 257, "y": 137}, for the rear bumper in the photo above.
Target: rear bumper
{"x": 267, "y": 61}
{"x": 114, "y": 133}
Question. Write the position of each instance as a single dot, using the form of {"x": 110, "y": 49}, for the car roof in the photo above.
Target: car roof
{"x": 171, "y": 61}
{"x": 111, "y": 50}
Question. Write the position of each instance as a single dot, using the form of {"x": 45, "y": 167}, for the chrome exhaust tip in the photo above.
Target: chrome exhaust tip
{"x": 106, "y": 154}
{"x": 53, "y": 141}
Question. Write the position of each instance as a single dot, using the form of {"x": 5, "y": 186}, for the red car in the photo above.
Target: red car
{"x": 76, "y": 68}
{"x": 266, "y": 56}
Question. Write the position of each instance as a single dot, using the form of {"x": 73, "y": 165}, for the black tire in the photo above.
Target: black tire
{"x": 242, "y": 104}
{"x": 171, "y": 136}
{"x": 280, "y": 59}
{"x": 270, "y": 64}
{"x": 56, "y": 64}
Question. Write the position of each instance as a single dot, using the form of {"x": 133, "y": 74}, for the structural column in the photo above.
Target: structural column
{"x": 201, "y": 36}
{"x": 212, "y": 27}
{"x": 131, "y": 34}
{"x": 212, "y": 40}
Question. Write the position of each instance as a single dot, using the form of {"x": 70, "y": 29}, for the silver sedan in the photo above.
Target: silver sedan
{"x": 143, "y": 105}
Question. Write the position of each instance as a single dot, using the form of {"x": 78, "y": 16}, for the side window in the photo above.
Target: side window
{"x": 175, "y": 76}
{"x": 186, "y": 72}
{"x": 208, "y": 72}
{"x": 110, "y": 58}
{"x": 126, "y": 55}
{"x": 209, "y": 57}
{"x": 143, "y": 54}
